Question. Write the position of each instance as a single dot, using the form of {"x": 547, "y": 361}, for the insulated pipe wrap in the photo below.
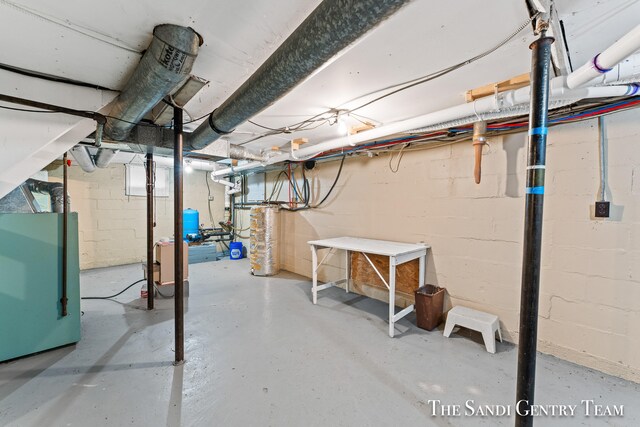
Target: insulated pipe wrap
{"x": 241, "y": 153}
{"x": 166, "y": 63}
{"x": 264, "y": 246}
{"x": 330, "y": 28}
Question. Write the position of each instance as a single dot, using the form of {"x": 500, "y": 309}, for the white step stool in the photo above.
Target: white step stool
{"x": 475, "y": 320}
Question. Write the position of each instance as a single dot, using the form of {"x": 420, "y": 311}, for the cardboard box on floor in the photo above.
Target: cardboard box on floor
{"x": 165, "y": 259}
{"x": 167, "y": 288}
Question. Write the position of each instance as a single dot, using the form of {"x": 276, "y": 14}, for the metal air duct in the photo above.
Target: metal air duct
{"x": 165, "y": 65}
{"x": 55, "y": 190}
{"x": 82, "y": 157}
{"x": 104, "y": 156}
{"x": 330, "y": 28}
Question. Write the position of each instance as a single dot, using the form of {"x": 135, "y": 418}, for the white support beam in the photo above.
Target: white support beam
{"x": 30, "y": 141}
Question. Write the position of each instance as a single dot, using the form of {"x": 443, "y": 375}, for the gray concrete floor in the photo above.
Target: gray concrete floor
{"x": 259, "y": 353}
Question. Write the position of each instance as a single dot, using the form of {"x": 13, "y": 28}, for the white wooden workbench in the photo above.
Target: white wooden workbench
{"x": 398, "y": 253}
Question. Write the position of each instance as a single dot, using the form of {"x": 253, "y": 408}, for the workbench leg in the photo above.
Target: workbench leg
{"x": 348, "y": 271}
{"x": 423, "y": 267}
{"x": 314, "y": 266}
{"x": 392, "y": 295}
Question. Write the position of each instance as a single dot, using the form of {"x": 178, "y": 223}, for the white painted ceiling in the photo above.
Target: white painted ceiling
{"x": 98, "y": 42}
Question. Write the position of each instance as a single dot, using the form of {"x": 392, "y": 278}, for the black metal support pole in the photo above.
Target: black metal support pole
{"x": 177, "y": 231}
{"x": 232, "y": 214}
{"x": 65, "y": 218}
{"x": 150, "y": 225}
{"x": 534, "y": 198}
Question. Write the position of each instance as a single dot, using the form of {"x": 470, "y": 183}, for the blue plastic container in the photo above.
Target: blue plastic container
{"x": 235, "y": 250}
{"x": 190, "y": 223}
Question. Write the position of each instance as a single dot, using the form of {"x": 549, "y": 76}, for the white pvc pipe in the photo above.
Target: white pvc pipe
{"x": 628, "y": 71}
{"x": 561, "y": 88}
{"x": 230, "y": 171}
{"x": 606, "y": 60}
{"x": 231, "y": 187}
{"x": 194, "y": 163}
{"x": 496, "y": 107}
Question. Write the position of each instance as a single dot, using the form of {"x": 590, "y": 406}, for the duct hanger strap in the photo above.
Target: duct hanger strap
{"x": 215, "y": 128}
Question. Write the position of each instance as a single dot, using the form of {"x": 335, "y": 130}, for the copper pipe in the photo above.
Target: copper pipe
{"x": 479, "y": 141}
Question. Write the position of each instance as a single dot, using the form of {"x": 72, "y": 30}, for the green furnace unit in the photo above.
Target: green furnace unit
{"x": 31, "y": 283}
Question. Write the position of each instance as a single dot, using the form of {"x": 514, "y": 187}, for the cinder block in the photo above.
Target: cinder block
{"x": 623, "y": 294}
{"x": 490, "y": 186}
{"x": 593, "y": 316}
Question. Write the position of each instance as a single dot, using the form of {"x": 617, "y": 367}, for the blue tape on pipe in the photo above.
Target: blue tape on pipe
{"x": 633, "y": 89}
{"x": 539, "y": 131}
{"x": 597, "y": 66}
{"x": 534, "y": 190}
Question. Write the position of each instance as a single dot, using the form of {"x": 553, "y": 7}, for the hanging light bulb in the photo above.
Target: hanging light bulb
{"x": 187, "y": 166}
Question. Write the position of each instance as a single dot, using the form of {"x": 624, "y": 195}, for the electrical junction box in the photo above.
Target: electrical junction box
{"x": 602, "y": 209}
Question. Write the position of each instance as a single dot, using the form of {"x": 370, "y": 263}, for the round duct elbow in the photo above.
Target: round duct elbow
{"x": 164, "y": 66}
{"x": 83, "y": 158}
{"x": 104, "y": 156}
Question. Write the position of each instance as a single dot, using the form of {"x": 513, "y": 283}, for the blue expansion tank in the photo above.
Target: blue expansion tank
{"x": 190, "y": 223}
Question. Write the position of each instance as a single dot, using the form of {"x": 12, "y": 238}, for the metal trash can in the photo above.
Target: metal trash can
{"x": 429, "y": 306}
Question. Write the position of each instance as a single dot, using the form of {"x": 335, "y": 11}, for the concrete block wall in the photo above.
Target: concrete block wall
{"x": 112, "y": 226}
{"x": 590, "y": 287}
